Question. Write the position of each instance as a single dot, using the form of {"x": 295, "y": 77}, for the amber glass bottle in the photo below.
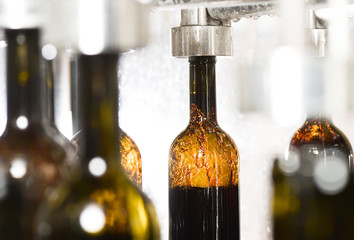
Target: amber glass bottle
{"x": 313, "y": 187}
{"x": 98, "y": 202}
{"x": 203, "y": 167}
{"x": 30, "y": 156}
{"x": 130, "y": 158}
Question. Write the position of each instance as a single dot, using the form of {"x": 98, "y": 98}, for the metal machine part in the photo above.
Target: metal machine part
{"x": 231, "y": 3}
{"x": 317, "y": 33}
{"x": 248, "y": 11}
{"x": 317, "y": 23}
{"x": 96, "y": 25}
{"x": 207, "y": 31}
{"x": 209, "y": 3}
{"x": 318, "y": 39}
{"x": 200, "y": 35}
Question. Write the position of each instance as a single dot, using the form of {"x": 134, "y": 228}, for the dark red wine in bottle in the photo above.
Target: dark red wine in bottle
{"x": 203, "y": 167}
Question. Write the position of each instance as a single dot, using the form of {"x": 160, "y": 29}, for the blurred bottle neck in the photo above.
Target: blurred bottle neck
{"x": 24, "y": 96}
{"x": 202, "y": 89}
{"x": 49, "y": 91}
{"x": 318, "y": 117}
{"x": 98, "y": 112}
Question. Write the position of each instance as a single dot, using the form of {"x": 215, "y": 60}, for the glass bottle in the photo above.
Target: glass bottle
{"x": 98, "y": 202}
{"x": 130, "y": 158}
{"x": 49, "y": 116}
{"x": 313, "y": 187}
{"x": 203, "y": 167}
{"x": 313, "y": 183}
{"x": 31, "y": 158}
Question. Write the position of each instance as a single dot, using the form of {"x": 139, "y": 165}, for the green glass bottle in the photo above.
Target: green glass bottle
{"x": 203, "y": 167}
{"x": 98, "y": 202}
{"x": 130, "y": 157}
{"x": 31, "y": 158}
{"x": 313, "y": 183}
{"x": 313, "y": 187}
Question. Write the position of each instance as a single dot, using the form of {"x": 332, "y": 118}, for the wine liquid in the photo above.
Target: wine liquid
{"x": 204, "y": 213}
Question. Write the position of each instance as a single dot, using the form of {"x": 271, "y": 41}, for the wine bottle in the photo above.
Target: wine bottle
{"x": 98, "y": 202}
{"x": 49, "y": 116}
{"x": 31, "y": 158}
{"x": 130, "y": 158}
{"x": 313, "y": 183}
{"x": 313, "y": 187}
{"x": 203, "y": 167}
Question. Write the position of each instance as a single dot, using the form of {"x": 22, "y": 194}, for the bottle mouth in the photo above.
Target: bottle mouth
{"x": 202, "y": 59}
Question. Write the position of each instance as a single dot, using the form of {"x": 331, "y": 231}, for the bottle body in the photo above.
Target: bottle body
{"x": 108, "y": 208}
{"x": 313, "y": 187}
{"x": 203, "y": 194}
{"x": 203, "y": 167}
{"x": 98, "y": 201}
{"x": 31, "y": 158}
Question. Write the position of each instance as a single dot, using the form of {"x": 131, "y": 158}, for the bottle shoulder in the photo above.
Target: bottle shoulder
{"x": 29, "y": 164}
{"x": 207, "y": 133}
{"x": 130, "y": 158}
{"x": 317, "y": 140}
{"x": 203, "y": 155}
{"x": 128, "y": 146}
{"x": 54, "y": 132}
{"x": 321, "y": 132}
{"x": 34, "y": 142}
{"x": 125, "y": 209}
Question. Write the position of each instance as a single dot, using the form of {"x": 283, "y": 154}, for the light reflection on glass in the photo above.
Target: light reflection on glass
{"x": 49, "y": 51}
{"x": 3, "y": 182}
{"x": 44, "y": 229}
{"x": 331, "y": 175}
{"x": 18, "y": 168}
{"x": 22, "y": 122}
{"x": 290, "y": 164}
{"x": 92, "y": 218}
{"x": 97, "y": 166}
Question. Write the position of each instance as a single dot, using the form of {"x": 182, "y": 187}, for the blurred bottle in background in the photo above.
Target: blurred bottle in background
{"x": 32, "y": 157}
{"x": 313, "y": 183}
{"x": 98, "y": 200}
{"x": 130, "y": 157}
{"x": 49, "y": 53}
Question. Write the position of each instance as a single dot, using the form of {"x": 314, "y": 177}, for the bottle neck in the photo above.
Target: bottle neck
{"x": 74, "y": 89}
{"x": 202, "y": 89}
{"x": 23, "y": 78}
{"x": 318, "y": 117}
{"x": 98, "y": 112}
{"x": 49, "y": 90}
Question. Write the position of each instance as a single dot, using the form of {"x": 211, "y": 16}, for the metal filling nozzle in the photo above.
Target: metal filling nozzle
{"x": 208, "y": 32}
